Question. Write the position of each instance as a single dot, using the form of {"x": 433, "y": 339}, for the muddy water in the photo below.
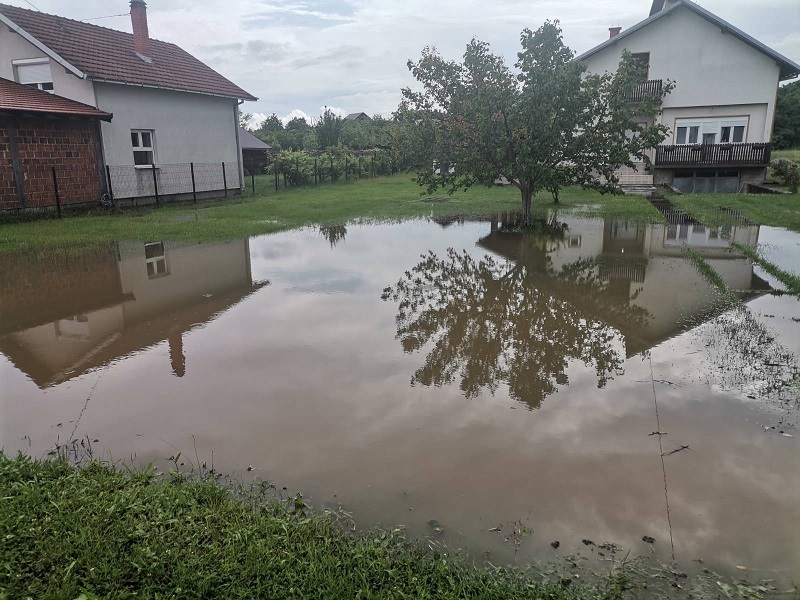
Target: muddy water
{"x": 454, "y": 377}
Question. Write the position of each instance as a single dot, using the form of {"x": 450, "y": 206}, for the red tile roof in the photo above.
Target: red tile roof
{"x": 25, "y": 99}
{"x": 107, "y": 54}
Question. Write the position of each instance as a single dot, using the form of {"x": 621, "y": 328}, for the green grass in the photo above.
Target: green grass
{"x": 268, "y": 211}
{"x": 793, "y": 155}
{"x": 102, "y": 533}
{"x": 777, "y": 210}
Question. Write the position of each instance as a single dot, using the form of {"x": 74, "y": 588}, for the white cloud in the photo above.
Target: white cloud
{"x": 297, "y": 113}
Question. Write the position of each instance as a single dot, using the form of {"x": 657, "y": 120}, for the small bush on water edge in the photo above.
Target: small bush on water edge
{"x": 96, "y": 531}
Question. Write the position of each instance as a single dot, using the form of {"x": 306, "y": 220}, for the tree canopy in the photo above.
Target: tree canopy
{"x": 787, "y": 117}
{"x": 543, "y": 126}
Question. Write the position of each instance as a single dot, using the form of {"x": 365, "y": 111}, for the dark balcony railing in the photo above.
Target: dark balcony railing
{"x": 648, "y": 89}
{"x": 714, "y": 155}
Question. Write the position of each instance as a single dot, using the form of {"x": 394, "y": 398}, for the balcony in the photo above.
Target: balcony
{"x": 714, "y": 155}
{"x": 648, "y": 89}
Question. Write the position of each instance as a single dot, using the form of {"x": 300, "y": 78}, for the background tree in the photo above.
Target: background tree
{"x": 269, "y": 131}
{"x": 328, "y": 129}
{"x": 244, "y": 120}
{"x": 786, "y": 133}
{"x": 543, "y": 127}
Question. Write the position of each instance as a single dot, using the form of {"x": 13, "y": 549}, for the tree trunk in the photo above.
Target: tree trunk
{"x": 526, "y": 205}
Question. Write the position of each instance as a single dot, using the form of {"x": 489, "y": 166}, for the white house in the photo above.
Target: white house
{"x": 169, "y": 108}
{"x": 721, "y": 112}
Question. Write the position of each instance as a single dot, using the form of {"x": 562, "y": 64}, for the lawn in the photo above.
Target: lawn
{"x": 267, "y": 211}
{"x": 94, "y": 532}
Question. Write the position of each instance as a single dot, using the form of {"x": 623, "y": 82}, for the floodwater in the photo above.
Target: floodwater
{"x": 468, "y": 382}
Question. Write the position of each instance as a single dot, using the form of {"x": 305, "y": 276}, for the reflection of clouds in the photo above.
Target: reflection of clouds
{"x": 313, "y": 390}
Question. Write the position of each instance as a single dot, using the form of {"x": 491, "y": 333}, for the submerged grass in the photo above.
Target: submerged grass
{"x": 790, "y": 280}
{"x": 396, "y": 197}
{"x": 776, "y": 210}
{"x": 96, "y": 531}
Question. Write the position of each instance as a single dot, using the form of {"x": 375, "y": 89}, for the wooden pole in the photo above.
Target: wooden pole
{"x": 194, "y": 187}
{"x": 155, "y": 181}
{"x": 58, "y": 197}
{"x": 277, "y": 185}
{"x": 110, "y": 188}
{"x": 224, "y": 179}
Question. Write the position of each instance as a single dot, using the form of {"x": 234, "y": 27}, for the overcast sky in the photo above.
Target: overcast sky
{"x": 298, "y": 56}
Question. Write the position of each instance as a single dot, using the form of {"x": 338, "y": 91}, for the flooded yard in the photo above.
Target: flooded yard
{"x": 585, "y": 384}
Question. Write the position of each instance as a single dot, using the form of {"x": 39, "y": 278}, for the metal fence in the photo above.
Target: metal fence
{"x": 172, "y": 181}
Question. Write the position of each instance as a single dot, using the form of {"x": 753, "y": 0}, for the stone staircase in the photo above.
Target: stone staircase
{"x": 636, "y": 182}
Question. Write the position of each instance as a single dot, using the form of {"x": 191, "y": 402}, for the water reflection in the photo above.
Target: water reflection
{"x": 587, "y": 290}
{"x": 66, "y": 311}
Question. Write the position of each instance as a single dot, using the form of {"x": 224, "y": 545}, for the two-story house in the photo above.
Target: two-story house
{"x": 721, "y": 112}
{"x": 169, "y": 109}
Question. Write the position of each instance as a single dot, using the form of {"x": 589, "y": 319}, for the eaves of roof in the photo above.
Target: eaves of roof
{"x": 788, "y": 68}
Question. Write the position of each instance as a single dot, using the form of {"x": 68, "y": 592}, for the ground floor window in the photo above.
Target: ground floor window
{"x": 706, "y": 181}
{"x": 143, "y": 142}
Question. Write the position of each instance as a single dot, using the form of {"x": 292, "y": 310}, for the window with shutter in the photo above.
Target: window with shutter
{"x": 35, "y": 74}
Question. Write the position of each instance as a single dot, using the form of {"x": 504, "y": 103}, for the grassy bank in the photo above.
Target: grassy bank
{"x": 268, "y": 211}
{"x": 793, "y": 154}
{"x": 91, "y": 530}
{"x": 777, "y": 210}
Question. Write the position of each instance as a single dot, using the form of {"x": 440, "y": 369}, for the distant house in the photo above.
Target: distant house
{"x": 169, "y": 108}
{"x": 360, "y": 116}
{"x": 255, "y": 152}
{"x": 43, "y": 139}
{"x": 721, "y": 111}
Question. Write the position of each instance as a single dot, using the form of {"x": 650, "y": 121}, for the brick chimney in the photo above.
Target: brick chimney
{"x": 612, "y": 31}
{"x": 141, "y": 38}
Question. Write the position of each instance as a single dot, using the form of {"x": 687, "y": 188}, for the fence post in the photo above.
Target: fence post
{"x": 155, "y": 181}
{"x": 346, "y": 167}
{"x": 224, "y": 179}
{"x": 315, "y": 170}
{"x": 194, "y": 187}
{"x": 359, "y": 166}
{"x": 58, "y": 197}
{"x": 277, "y": 185}
{"x": 253, "y": 178}
{"x": 331, "y": 168}
{"x": 372, "y": 164}
{"x": 297, "y": 171}
{"x": 110, "y": 188}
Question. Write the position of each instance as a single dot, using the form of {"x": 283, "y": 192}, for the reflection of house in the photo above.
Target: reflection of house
{"x": 65, "y": 312}
{"x": 721, "y": 111}
{"x": 631, "y": 264}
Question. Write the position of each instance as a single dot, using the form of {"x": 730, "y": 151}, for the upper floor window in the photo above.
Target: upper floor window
{"x": 34, "y": 72}
{"x": 143, "y": 142}
{"x": 711, "y": 131}
{"x": 643, "y": 60}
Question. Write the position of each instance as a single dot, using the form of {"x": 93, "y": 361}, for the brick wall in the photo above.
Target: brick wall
{"x": 41, "y": 144}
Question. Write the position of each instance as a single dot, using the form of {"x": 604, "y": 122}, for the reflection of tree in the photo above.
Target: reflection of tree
{"x": 333, "y": 233}
{"x": 493, "y": 322}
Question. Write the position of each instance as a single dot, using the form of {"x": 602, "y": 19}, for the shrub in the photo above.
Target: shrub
{"x": 787, "y": 172}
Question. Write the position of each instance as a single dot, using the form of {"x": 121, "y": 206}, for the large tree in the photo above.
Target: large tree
{"x": 542, "y": 126}
{"x": 787, "y": 117}
{"x": 328, "y": 129}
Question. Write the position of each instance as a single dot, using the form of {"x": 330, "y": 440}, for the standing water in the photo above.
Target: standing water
{"x": 495, "y": 391}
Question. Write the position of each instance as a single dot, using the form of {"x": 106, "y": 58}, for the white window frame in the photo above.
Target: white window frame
{"x": 44, "y": 83}
{"x": 710, "y": 127}
{"x": 156, "y": 265}
{"x": 137, "y": 145}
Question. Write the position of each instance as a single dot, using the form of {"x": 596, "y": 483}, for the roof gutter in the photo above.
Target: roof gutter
{"x": 29, "y": 38}
{"x": 172, "y": 89}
